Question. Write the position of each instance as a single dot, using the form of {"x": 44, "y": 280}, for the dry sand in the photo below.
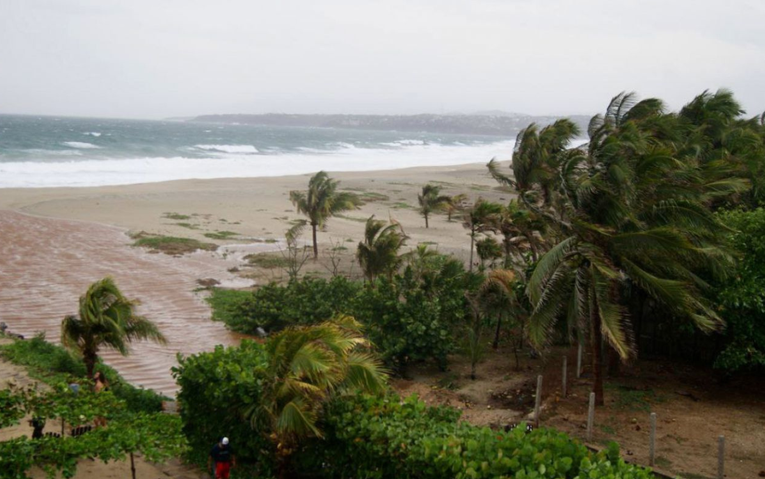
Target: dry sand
{"x": 260, "y": 207}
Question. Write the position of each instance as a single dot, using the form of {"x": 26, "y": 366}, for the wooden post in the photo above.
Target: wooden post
{"x": 652, "y": 443}
{"x": 720, "y": 457}
{"x": 538, "y": 404}
{"x": 590, "y": 416}
{"x": 565, "y": 361}
{"x": 579, "y": 360}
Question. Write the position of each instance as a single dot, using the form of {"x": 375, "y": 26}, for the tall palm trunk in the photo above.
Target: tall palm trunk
{"x": 90, "y": 358}
{"x": 426, "y": 221}
{"x": 495, "y": 345}
{"x": 597, "y": 353}
{"x": 315, "y": 243}
{"x": 472, "y": 241}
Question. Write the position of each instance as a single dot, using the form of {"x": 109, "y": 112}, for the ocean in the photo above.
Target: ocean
{"x": 40, "y": 151}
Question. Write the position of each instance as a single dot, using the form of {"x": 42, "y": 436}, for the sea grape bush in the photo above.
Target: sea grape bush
{"x": 215, "y": 387}
{"x": 155, "y": 436}
{"x": 386, "y": 437}
{"x": 409, "y": 318}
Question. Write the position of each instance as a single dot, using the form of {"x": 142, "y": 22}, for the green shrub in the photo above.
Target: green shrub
{"x": 409, "y": 319}
{"x": 386, "y": 437}
{"x": 215, "y": 386}
{"x": 54, "y": 364}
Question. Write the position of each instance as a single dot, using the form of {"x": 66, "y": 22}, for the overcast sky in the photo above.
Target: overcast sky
{"x": 161, "y": 58}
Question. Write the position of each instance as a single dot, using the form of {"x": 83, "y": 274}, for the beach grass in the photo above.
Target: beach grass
{"x": 221, "y": 235}
{"x": 173, "y": 245}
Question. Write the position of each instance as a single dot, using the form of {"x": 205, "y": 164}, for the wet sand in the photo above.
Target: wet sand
{"x": 48, "y": 263}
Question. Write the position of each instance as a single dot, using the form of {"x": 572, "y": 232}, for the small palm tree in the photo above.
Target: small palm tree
{"x": 494, "y": 295}
{"x": 455, "y": 205}
{"x": 481, "y": 217}
{"x": 431, "y": 201}
{"x": 307, "y": 368}
{"x": 378, "y": 253}
{"x": 322, "y": 201}
{"x": 107, "y": 319}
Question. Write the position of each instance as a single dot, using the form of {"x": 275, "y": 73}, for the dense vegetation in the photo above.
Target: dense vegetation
{"x": 409, "y": 317}
{"x": 364, "y": 436}
{"x": 53, "y": 365}
{"x": 156, "y": 436}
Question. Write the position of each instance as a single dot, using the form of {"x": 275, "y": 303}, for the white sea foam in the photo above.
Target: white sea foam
{"x": 81, "y": 145}
{"x": 92, "y": 133}
{"x": 99, "y": 172}
{"x": 229, "y": 148}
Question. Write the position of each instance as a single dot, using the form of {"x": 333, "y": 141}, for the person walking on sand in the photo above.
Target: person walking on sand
{"x": 222, "y": 455}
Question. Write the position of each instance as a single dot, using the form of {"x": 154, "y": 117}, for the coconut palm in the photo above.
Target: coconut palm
{"x": 521, "y": 230}
{"x": 322, "y": 201}
{"x": 479, "y": 218}
{"x": 493, "y": 297}
{"x": 107, "y": 319}
{"x": 631, "y": 209}
{"x": 455, "y": 205}
{"x": 307, "y": 368}
{"x": 430, "y": 200}
{"x": 378, "y": 253}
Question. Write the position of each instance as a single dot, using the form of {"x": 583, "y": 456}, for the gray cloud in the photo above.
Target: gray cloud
{"x": 184, "y": 57}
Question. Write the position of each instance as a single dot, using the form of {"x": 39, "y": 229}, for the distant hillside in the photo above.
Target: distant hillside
{"x": 504, "y": 124}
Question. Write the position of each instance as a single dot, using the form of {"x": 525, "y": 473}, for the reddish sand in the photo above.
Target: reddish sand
{"x": 46, "y": 264}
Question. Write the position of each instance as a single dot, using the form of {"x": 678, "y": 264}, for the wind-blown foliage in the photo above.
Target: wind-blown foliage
{"x": 307, "y": 367}
{"x": 481, "y": 217}
{"x": 322, "y": 201}
{"x": 431, "y": 200}
{"x": 378, "y": 253}
{"x": 107, "y": 319}
{"x": 632, "y": 207}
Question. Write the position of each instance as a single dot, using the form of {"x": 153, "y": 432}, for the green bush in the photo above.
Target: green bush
{"x": 308, "y": 301}
{"x": 408, "y": 319}
{"x": 386, "y": 437}
{"x": 215, "y": 386}
{"x": 743, "y": 297}
{"x": 54, "y": 364}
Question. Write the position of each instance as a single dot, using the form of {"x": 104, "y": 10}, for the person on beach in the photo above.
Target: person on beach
{"x": 100, "y": 384}
{"x": 222, "y": 459}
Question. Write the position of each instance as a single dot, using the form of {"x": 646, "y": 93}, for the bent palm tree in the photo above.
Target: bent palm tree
{"x": 431, "y": 201}
{"x": 322, "y": 201}
{"x": 481, "y": 217}
{"x": 378, "y": 253}
{"x": 631, "y": 208}
{"x": 107, "y": 319}
{"x": 455, "y": 205}
{"x": 308, "y": 367}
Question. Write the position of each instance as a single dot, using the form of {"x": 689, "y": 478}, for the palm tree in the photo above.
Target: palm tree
{"x": 455, "y": 205}
{"x": 519, "y": 228}
{"x": 307, "y": 368}
{"x": 479, "y": 218}
{"x": 631, "y": 208}
{"x": 495, "y": 294}
{"x": 378, "y": 253}
{"x": 322, "y": 201}
{"x": 107, "y": 319}
{"x": 430, "y": 201}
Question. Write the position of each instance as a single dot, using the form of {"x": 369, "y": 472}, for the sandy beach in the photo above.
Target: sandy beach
{"x": 55, "y": 241}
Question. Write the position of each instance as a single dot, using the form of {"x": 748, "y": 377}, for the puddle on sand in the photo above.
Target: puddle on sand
{"x": 46, "y": 264}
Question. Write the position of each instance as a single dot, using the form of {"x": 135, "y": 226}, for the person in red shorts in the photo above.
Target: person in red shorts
{"x": 222, "y": 455}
